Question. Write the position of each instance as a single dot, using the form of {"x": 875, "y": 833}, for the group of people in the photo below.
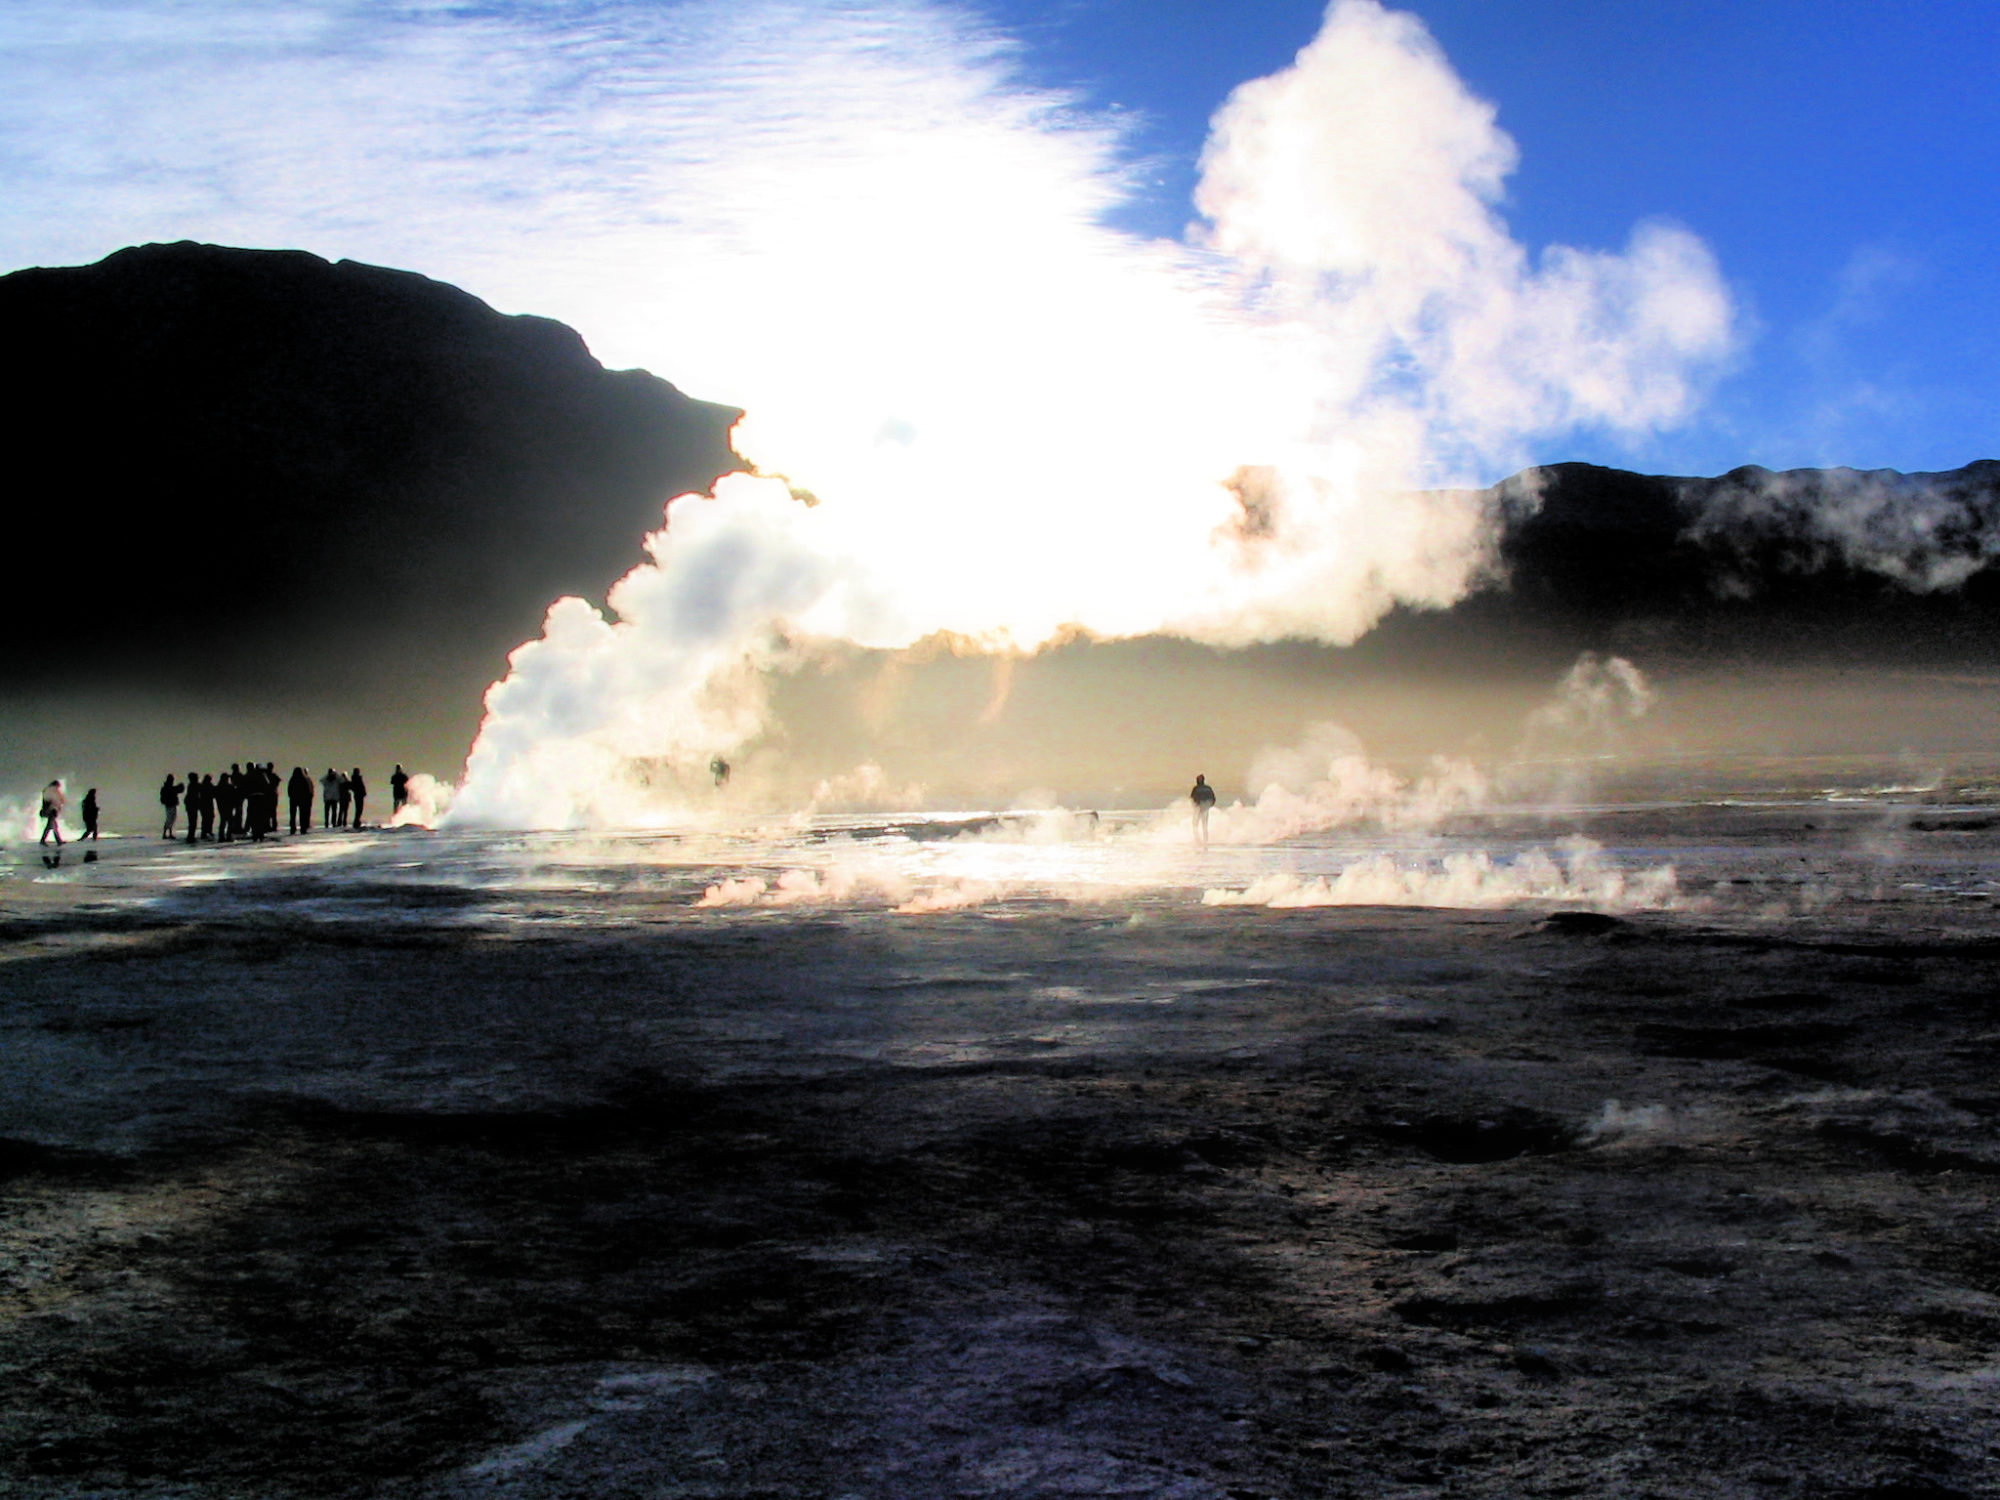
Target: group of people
{"x": 240, "y": 804}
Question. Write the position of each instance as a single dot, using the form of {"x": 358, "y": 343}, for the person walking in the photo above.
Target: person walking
{"x": 358, "y": 789}
{"x": 53, "y": 802}
{"x": 89, "y": 816}
{"x": 1203, "y": 798}
{"x": 170, "y": 803}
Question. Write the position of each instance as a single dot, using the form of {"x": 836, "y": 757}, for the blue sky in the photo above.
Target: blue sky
{"x": 1842, "y": 160}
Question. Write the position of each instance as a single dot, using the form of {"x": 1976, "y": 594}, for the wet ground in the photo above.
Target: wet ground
{"x": 313, "y": 1188}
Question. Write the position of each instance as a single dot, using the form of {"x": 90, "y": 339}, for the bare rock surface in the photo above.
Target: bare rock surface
{"x": 1143, "y": 1199}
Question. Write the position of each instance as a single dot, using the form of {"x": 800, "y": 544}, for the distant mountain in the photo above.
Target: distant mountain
{"x": 1826, "y": 566}
{"x": 228, "y": 465}
{"x": 266, "y": 480}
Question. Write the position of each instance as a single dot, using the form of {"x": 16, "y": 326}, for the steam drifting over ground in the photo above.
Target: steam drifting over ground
{"x": 1368, "y": 834}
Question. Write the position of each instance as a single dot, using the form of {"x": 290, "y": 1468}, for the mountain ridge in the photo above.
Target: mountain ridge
{"x": 272, "y": 446}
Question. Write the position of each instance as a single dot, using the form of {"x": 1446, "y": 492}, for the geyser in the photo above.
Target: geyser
{"x": 1046, "y": 425}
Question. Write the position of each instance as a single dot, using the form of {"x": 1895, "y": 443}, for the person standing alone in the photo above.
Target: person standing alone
{"x": 1203, "y": 798}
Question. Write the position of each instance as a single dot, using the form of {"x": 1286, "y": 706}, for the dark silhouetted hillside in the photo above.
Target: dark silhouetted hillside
{"x": 259, "y": 468}
{"x": 1807, "y": 566}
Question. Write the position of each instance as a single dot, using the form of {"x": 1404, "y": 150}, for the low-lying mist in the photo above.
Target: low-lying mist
{"x": 1089, "y": 724}
{"x": 1128, "y": 724}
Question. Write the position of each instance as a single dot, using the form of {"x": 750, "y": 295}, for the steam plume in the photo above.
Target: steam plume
{"x": 855, "y": 221}
{"x": 1351, "y": 321}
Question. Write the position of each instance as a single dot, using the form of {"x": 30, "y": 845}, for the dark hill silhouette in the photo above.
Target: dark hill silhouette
{"x": 1802, "y": 567}
{"x": 235, "y": 462}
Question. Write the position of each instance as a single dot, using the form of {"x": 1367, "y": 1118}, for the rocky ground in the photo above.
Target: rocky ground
{"x": 1144, "y": 1199}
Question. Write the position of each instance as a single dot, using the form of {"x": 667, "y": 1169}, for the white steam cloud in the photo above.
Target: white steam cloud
{"x": 855, "y": 221}
{"x": 1925, "y": 532}
{"x": 1576, "y": 875}
{"x": 1324, "y": 785}
{"x": 1356, "y": 322}
{"x": 1326, "y": 782}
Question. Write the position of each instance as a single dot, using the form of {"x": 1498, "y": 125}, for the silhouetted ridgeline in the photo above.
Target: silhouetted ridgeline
{"x": 259, "y": 471}
{"x": 1805, "y": 566}
{"x": 221, "y": 459}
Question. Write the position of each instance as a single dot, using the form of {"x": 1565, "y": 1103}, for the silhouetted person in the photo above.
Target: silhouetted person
{"x": 299, "y": 794}
{"x": 399, "y": 790}
{"x": 229, "y": 803}
{"x": 253, "y": 803}
{"x": 170, "y": 804}
{"x": 193, "y": 796}
{"x": 346, "y": 802}
{"x": 1203, "y": 798}
{"x": 53, "y": 802}
{"x": 329, "y": 793}
{"x": 89, "y": 815}
{"x": 358, "y": 789}
{"x": 719, "y": 769}
{"x": 210, "y": 794}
